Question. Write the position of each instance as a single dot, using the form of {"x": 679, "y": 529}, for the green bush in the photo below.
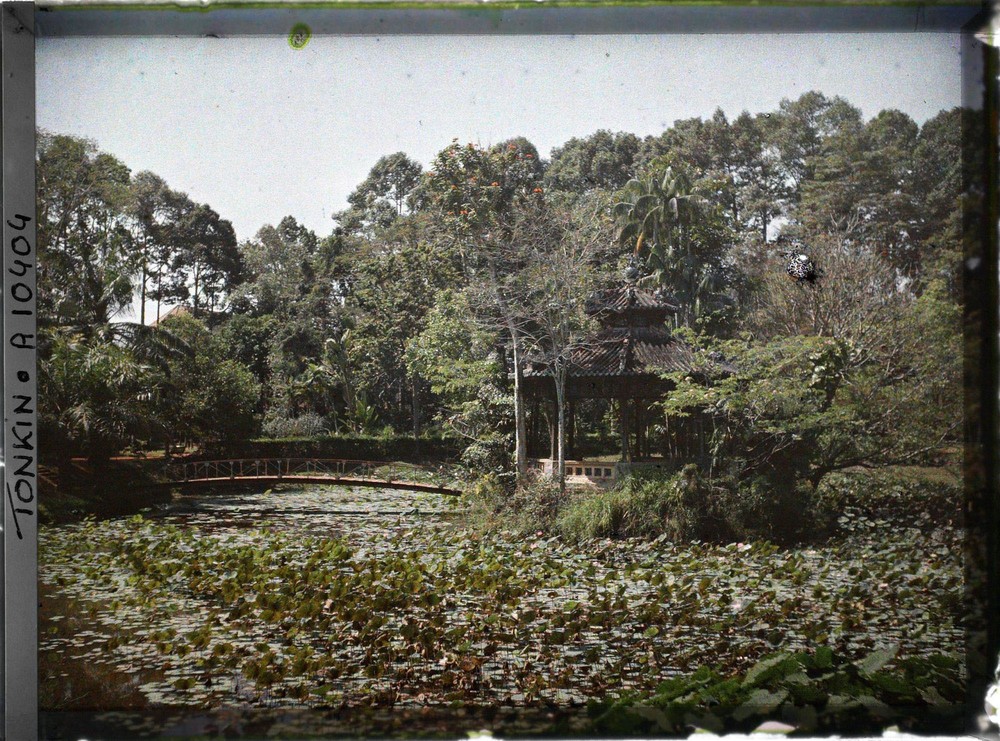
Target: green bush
{"x": 781, "y": 511}
{"x": 369, "y": 448}
{"x": 495, "y": 503}
{"x": 686, "y": 506}
{"x": 814, "y": 691}
{"x": 682, "y": 506}
{"x": 490, "y": 455}
{"x": 907, "y": 496}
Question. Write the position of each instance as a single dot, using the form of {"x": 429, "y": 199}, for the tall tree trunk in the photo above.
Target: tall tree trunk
{"x": 550, "y": 419}
{"x": 571, "y": 431}
{"x": 195, "y": 302}
{"x": 159, "y": 293}
{"x": 520, "y": 424}
{"x": 415, "y": 408}
{"x": 533, "y": 430}
{"x": 561, "y": 433}
{"x": 142, "y": 294}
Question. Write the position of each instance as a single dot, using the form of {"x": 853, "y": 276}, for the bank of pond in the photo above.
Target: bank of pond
{"x": 333, "y": 611}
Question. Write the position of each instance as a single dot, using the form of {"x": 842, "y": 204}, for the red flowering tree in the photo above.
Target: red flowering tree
{"x": 478, "y": 193}
{"x": 477, "y": 189}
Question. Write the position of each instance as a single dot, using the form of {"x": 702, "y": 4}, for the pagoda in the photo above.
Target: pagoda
{"x": 624, "y": 361}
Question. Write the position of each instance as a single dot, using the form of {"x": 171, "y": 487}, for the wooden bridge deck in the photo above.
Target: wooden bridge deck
{"x": 328, "y": 480}
{"x": 330, "y": 472}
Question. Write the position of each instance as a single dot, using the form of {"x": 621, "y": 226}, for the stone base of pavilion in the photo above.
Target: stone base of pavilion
{"x": 602, "y": 473}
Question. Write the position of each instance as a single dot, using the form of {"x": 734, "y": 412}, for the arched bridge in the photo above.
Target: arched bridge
{"x": 270, "y": 471}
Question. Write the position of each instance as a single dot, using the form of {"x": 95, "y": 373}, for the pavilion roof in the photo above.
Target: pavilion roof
{"x": 623, "y": 352}
{"x": 628, "y": 298}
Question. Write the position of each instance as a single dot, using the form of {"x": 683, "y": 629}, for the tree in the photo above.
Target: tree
{"x": 806, "y": 129}
{"x": 476, "y": 191}
{"x": 382, "y": 197}
{"x": 189, "y": 403}
{"x": 552, "y": 289}
{"x": 86, "y": 261}
{"x": 859, "y": 373}
{"x": 317, "y": 389}
{"x": 688, "y": 143}
{"x": 281, "y": 270}
{"x": 209, "y": 257}
{"x": 522, "y": 148}
{"x": 936, "y": 185}
{"x": 601, "y": 160}
{"x": 393, "y": 289}
{"x": 159, "y": 218}
{"x": 95, "y": 398}
{"x": 150, "y": 210}
{"x": 866, "y": 188}
{"x": 293, "y": 291}
{"x": 456, "y": 354}
{"x": 679, "y": 235}
{"x": 248, "y": 340}
{"x": 887, "y": 204}
{"x": 761, "y": 186}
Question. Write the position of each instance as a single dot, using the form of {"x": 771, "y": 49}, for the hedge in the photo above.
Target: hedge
{"x": 399, "y": 448}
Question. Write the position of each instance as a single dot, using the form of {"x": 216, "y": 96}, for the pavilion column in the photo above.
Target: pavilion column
{"x": 533, "y": 428}
{"x": 553, "y": 431}
{"x": 623, "y": 411}
{"x": 640, "y": 430}
{"x": 571, "y": 432}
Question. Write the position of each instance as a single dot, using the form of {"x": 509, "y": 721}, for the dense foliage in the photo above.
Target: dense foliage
{"x": 415, "y": 314}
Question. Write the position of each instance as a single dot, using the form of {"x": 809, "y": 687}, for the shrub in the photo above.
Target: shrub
{"x": 687, "y": 506}
{"x": 368, "y": 448}
{"x": 819, "y": 691}
{"x": 682, "y": 506}
{"x": 489, "y": 455}
{"x": 308, "y": 424}
{"x": 782, "y": 511}
{"x": 494, "y": 502}
{"x": 911, "y": 496}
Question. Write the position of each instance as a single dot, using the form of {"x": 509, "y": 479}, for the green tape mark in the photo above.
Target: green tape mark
{"x": 299, "y": 36}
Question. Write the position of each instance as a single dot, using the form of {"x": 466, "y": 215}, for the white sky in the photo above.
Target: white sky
{"x": 258, "y": 130}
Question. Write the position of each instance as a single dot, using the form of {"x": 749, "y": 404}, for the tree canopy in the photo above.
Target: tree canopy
{"x": 417, "y": 310}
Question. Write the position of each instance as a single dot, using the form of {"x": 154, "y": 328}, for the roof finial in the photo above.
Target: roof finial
{"x": 632, "y": 270}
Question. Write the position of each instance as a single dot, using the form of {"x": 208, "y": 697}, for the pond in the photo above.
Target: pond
{"x": 329, "y": 610}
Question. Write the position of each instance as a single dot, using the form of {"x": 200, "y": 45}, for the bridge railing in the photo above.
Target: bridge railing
{"x": 335, "y": 468}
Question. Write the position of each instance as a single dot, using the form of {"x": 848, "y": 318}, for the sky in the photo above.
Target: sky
{"x": 259, "y": 130}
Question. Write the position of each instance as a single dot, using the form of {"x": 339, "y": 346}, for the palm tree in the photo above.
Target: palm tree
{"x": 95, "y": 396}
{"x": 316, "y": 388}
{"x": 659, "y": 214}
{"x": 151, "y": 345}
